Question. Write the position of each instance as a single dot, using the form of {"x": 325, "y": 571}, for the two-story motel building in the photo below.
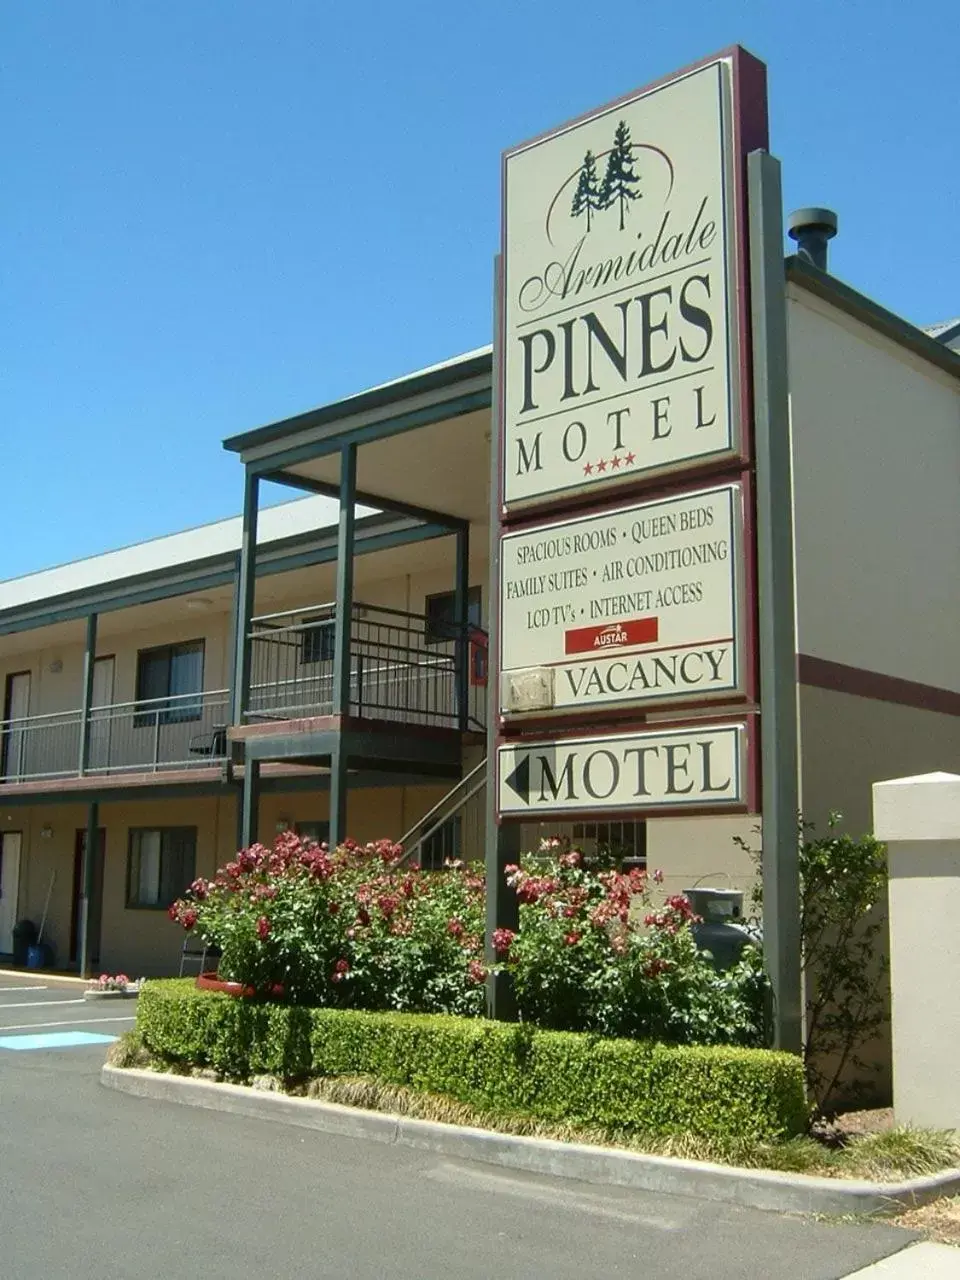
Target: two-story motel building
{"x": 322, "y": 664}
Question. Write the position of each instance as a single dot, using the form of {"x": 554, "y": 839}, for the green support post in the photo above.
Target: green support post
{"x": 89, "y": 661}
{"x": 342, "y": 637}
{"x": 91, "y": 850}
{"x": 245, "y": 589}
{"x": 780, "y": 798}
{"x": 249, "y": 805}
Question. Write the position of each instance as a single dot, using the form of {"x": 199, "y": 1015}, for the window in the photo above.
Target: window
{"x": 317, "y": 640}
{"x": 318, "y": 832}
{"x": 160, "y": 865}
{"x": 616, "y": 842}
{"x": 442, "y": 615}
{"x": 173, "y": 671}
{"x": 446, "y": 842}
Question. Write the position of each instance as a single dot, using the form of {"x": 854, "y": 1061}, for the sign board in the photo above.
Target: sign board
{"x": 638, "y": 604}
{"x": 688, "y": 768}
{"x": 622, "y": 308}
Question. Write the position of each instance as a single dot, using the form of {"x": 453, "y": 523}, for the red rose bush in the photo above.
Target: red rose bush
{"x": 356, "y": 927}
{"x": 350, "y": 926}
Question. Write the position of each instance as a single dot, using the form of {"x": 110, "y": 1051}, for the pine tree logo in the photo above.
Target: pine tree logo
{"x": 587, "y": 197}
{"x": 620, "y": 183}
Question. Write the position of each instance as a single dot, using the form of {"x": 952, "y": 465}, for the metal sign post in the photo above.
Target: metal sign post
{"x": 777, "y": 645}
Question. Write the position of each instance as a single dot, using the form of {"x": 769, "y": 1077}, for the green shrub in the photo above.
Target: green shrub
{"x": 623, "y": 1086}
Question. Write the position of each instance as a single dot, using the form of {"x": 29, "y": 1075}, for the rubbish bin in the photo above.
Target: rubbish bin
{"x": 24, "y": 935}
{"x": 39, "y": 955}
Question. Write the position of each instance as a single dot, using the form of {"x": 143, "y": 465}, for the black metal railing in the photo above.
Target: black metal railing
{"x": 399, "y": 668}
{"x": 128, "y": 737}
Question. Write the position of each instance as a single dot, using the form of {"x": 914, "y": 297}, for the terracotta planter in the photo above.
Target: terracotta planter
{"x": 211, "y": 982}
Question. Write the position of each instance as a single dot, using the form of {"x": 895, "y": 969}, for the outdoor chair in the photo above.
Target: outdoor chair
{"x": 210, "y": 744}
{"x": 196, "y": 952}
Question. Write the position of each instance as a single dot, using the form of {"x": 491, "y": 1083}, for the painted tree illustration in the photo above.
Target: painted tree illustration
{"x": 620, "y": 181}
{"x": 587, "y": 197}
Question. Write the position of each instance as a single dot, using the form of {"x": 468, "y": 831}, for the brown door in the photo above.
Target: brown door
{"x": 96, "y": 902}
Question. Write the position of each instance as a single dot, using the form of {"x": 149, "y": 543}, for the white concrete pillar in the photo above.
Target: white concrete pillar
{"x": 919, "y": 821}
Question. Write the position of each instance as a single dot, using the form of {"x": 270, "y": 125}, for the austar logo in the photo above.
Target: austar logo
{"x": 610, "y": 637}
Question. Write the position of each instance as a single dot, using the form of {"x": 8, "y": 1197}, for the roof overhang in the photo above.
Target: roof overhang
{"x": 422, "y": 436}
{"x": 373, "y": 533}
{"x": 862, "y": 308}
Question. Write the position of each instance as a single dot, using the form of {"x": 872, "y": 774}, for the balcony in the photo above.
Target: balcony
{"x": 401, "y": 669}
{"x": 162, "y": 734}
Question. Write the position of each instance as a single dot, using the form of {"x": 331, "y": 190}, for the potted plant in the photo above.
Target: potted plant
{"x": 112, "y": 987}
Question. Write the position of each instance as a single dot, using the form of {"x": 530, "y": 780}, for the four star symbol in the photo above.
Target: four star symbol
{"x": 615, "y": 463}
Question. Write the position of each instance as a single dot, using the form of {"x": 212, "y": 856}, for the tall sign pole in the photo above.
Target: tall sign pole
{"x": 502, "y": 839}
{"x": 775, "y": 598}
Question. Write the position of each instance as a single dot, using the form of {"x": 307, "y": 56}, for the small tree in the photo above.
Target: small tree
{"x": 586, "y": 198}
{"x": 842, "y": 881}
{"x": 620, "y": 181}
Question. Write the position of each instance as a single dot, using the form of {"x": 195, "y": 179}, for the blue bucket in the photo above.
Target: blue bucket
{"x": 39, "y": 956}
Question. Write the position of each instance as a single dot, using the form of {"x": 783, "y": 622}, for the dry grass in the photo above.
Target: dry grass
{"x": 938, "y": 1221}
{"x": 886, "y": 1156}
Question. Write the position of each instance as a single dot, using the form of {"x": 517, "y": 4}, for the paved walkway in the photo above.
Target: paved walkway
{"x": 95, "y": 1185}
{"x": 918, "y": 1262}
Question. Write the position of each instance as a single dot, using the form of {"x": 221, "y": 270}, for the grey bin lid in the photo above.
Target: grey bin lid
{"x": 717, "y": 906}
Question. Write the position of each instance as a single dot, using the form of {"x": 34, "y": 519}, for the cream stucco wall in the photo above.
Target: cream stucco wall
{"x": 688, "y": 851}
{"x": 848, "y": 743}
{"x": 54, "y": 656}
{"x": 876, "y": 471}
{"x": 140, "y": 940}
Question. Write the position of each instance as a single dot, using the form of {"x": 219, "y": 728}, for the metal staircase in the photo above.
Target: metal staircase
{"x": 467, "y": 791}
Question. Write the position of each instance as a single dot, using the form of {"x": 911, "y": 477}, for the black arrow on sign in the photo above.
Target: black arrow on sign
{"x": 519, "y": 780}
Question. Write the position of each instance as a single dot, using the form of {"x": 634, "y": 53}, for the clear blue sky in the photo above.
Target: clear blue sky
{"x": 220, "y": 213}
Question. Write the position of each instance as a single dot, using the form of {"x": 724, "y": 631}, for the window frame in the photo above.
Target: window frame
{"x": 145, "y": 716}
{"x": 450, "y": 831}
{"x": 132, "y": 904}
{"x": 601, "y": 832}
{"x": 324, "y": 636}
{"x": 442, "y": 631}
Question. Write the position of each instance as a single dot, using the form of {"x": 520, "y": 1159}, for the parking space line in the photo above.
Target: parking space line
{"x": 76, "y": 1022}
{"x": 24, "y": 989}
{"x": 55, "y": 1040}
{"x": 41, "y": 1004}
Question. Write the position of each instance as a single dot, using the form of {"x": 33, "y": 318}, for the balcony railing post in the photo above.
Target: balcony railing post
{"x": 89, "y": 664}
{"x": 156, "y": 740}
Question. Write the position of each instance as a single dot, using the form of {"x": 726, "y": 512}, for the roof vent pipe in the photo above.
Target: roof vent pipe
{"x": 812, "y": 229}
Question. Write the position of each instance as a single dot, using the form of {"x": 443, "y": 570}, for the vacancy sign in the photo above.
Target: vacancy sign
{"x": 621, "y": 312}
{"x": 637, "y": 604}
{"x": 689, "y": 768}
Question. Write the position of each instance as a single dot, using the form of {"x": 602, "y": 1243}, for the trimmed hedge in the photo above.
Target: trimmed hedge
{"x": 624, "y": 1086}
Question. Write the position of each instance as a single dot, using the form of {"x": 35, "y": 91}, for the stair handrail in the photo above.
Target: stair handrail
{"x": 422, "y": 825}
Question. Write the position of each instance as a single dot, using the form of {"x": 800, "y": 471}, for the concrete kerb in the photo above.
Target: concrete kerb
{"x": 50, "y": 976}
{"x": 754, "y": 1188}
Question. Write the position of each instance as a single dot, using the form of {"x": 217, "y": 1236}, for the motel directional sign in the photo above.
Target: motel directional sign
{"x": 698, "y": 768}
